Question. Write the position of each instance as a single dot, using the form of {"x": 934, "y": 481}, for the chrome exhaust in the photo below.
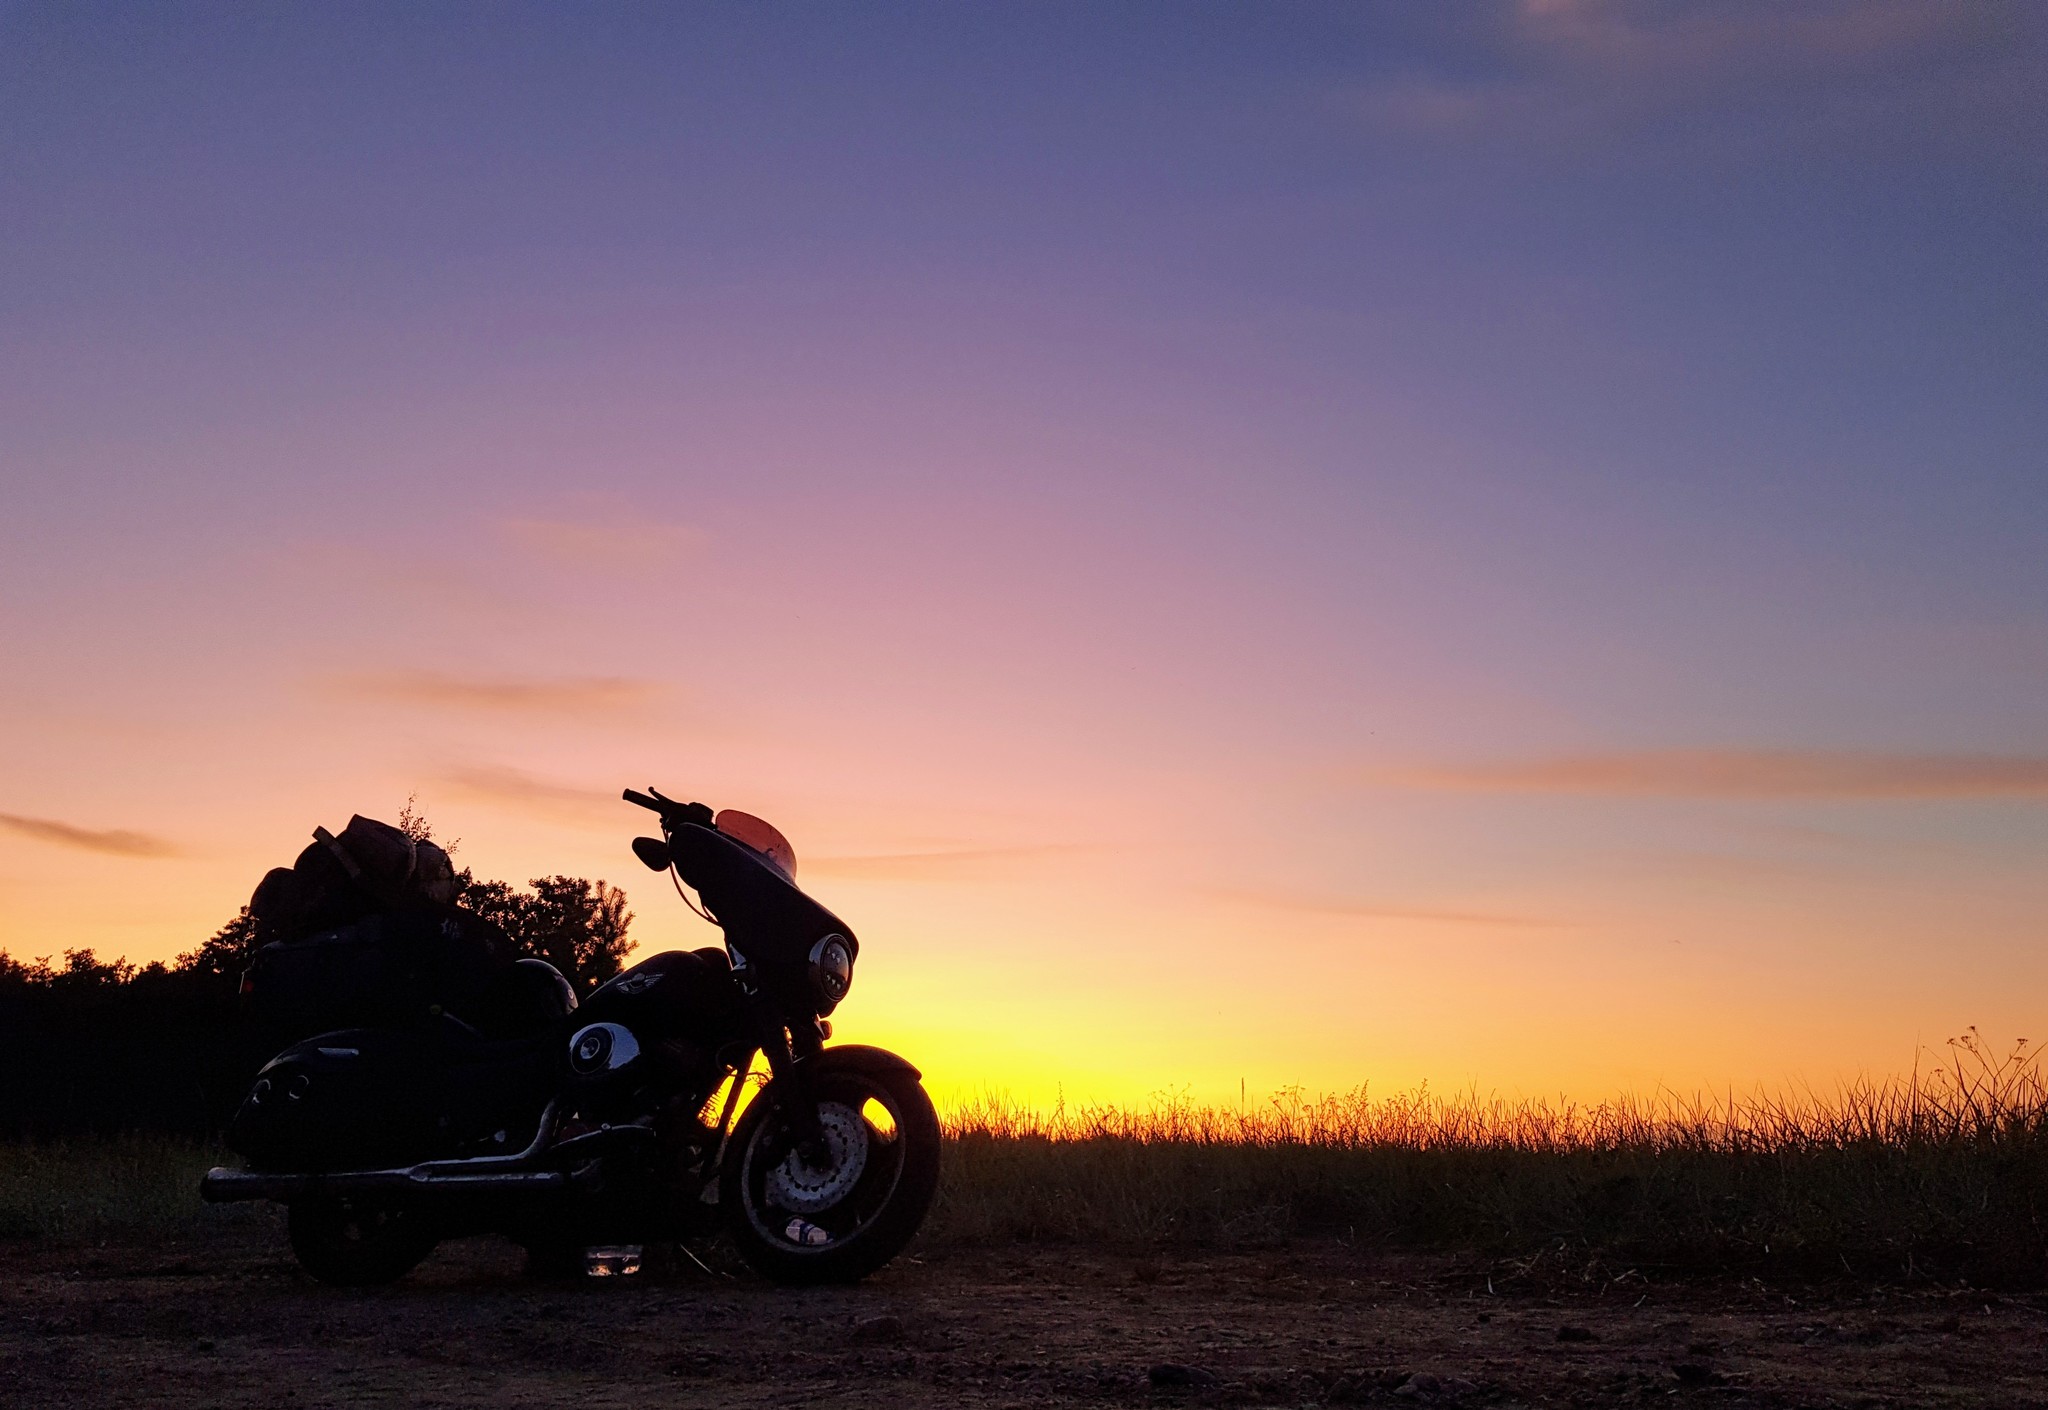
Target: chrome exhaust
{"x": 478, "y": 1173}
{"x": 221, "y": 1185}
{"x": 482, "y": 1174}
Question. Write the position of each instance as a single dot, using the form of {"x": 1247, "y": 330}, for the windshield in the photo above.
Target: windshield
{"x": 761, "y": 836}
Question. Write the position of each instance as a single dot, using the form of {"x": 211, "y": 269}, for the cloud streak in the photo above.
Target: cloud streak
{"x": 112, "y": 842}
{"x": 624, "y": 546}
{"x": 1607, "y": 78}
{"x": 1658, "y": 43}
{"x": 1826, "y": 775}
{"x": 522, "y": 792}
{"x": 1353, "y": 910}
{"x": 959, "y": 865}
{"x": 569, "y": 695}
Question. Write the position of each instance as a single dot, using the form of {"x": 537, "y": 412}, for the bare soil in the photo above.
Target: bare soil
{"x": 230, "y": 1321}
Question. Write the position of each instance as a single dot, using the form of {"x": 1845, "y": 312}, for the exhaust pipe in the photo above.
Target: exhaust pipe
{"x": 483, "y": 1174}
{"x": 221, "y": 1185}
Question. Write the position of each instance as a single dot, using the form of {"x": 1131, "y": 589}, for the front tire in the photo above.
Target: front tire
{"x": 802, "y": 1225}
{"x": 348, "y": 1245}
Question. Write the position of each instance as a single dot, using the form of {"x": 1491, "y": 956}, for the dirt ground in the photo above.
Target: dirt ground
{"x": 229, "y": 1321}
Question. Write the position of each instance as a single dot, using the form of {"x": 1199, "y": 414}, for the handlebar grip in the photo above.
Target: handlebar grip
{"x": 673, "y": 814}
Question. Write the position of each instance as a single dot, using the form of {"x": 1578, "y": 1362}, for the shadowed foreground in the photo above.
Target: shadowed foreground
{"x": 1940, "y": 1180}
{"x": 230, "y": 1322}
{"x": 1399, "y": 1252}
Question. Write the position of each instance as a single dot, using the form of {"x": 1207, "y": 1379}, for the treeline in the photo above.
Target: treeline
{"x": 92, "y": 1045}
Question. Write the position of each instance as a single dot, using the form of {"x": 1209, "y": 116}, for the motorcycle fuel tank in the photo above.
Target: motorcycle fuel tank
{"x": 676, "y": 994}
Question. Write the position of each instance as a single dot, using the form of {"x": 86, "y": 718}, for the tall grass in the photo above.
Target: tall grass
{"x": 101, "y": 1186}
{"x": 1942, "y": 1173}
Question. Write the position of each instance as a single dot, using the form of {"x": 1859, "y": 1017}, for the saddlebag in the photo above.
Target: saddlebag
{"x": 364, "y": 1098}
{"x": 351, "y": 1100}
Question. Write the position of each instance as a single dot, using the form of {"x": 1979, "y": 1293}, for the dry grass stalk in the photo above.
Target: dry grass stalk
{"x": 1943, "y": 1172}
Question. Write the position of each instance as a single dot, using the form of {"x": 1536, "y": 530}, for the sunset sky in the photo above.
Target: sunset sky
{"x": 1497, "y": 544}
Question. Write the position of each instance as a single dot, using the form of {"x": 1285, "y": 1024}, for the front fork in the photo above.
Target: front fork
{"x": 789, "y": 1050}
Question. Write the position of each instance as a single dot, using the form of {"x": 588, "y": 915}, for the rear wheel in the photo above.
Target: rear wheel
{"x": 839, "y": 1220}
{"x": 357, "y": 1246}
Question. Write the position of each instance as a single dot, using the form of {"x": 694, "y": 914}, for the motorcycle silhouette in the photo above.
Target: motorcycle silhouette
{"x": 630, "y": 1119}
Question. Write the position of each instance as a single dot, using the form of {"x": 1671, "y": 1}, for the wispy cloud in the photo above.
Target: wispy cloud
{"x": 1543, "y": 72}
{"x": 113, "y": 842}
{"x": 1657, "y": 40}
{"x": 1360, "y": 910}
{"x": 1748, "y": 773}
{"x": 959, "y": 864}
{"x": 522, "y": 792}
{"x": 625, "y": 545}
{"x": 567, "y": 695}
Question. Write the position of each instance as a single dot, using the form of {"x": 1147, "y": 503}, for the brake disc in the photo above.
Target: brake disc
{"x": 803, "y": 1188}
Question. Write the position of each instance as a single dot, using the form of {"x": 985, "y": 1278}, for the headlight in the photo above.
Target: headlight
{"x": 602, "y": 1047}
{"x": 831, "y": 971}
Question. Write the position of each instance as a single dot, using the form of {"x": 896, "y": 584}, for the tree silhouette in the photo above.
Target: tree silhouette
{"x": 576, "y": 925}
{"x": 222, "y": 956}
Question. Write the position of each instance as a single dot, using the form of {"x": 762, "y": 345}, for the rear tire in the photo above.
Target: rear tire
{"x": 875, "y": 1219}
{"x": 357, "y": 1246}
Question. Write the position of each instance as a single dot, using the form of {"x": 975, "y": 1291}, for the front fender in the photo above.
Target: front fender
{"x": 859, "y": 1057}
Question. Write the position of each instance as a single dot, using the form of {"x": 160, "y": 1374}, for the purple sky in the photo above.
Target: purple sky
{"x": 1501, "y": 542}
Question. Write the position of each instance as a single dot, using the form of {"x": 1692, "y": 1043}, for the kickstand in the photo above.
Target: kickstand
{"x": 684, "y": 1250}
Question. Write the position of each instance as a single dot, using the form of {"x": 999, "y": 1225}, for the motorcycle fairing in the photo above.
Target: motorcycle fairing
{"x": 767, "y": 919}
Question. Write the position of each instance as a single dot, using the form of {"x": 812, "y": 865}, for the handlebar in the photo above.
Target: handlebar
{"x": 669, "y": 808}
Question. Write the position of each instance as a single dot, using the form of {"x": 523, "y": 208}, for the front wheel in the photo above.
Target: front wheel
{"x": 837, "y": 1221}
{"x": 357, "y": 1246}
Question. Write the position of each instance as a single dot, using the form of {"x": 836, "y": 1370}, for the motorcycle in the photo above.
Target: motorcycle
{"x": 635, "y": 1117}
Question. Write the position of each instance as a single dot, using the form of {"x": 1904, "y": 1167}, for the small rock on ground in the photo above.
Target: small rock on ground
{"x": 878, "y": 1329}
